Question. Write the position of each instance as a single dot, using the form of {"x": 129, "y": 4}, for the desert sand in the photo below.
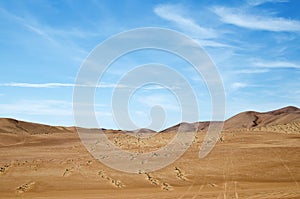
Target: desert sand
{"x": 256, "y": 157}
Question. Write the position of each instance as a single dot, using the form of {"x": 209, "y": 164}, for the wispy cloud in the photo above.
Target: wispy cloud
{"x": 41, "y": 33}
{"x": 210, "y": 43}
{"x": 276, "y": 64}
{"x": 50, "y": 32}
{"x": 160, "y": 87}
{"x": 175, "y": 14}
{"x": 159, "y": 99}
{"x": 71, "y": 85}
{"x": 251, "y": 71}
{"x": 65, "y": 38}
{"x": 58, "y": 85}
{"x": 37, "y": 107}
{"x": 259, "y": 2}
{"x": 205, "y": 36}
{"x": 240, "y": 17}
{"x": 238, "y": 85}
{"x": 30, "y": 85}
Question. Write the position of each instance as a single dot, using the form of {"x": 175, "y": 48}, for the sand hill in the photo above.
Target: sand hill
{"x": 249, "y": 119}
{"x": 8, "y": 125}
{"x": 255, "y": 119}
{"x": 257, "y": 157}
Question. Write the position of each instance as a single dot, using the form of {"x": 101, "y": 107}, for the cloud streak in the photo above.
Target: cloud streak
{"x": 260, "y": 2}
{"x": 174, "y": 13}
{"x": 43, "y": 85}
{"x": 206, "y": 37}
{"x": 71, "y": 85}
{"x": 241, "y": 18}
{"x": 251, "y": 71}
{"x": 277, "y": 64}
{"x": 238, "y": 85}
{"x": 63, "y": 38}
{"x": 57, "y": 85}
{"x": 159, "y": 100}
{"x": 37, "y": 107}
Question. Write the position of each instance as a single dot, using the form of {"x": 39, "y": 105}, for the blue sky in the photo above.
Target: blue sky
{"x": 254, "y": 44}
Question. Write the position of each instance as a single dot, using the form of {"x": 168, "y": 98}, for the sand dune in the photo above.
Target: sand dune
{"x": 246, "y": 119}
{"x": 250, "y": 161}
{"x": 255, "y": 119}
{"x": 249, "y": 119}
{"x": 8, "y": 125}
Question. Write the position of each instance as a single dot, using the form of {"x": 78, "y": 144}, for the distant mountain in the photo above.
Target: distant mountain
{"x": 246, "y": 119}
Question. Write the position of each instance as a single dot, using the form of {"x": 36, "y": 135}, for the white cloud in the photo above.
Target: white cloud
{"x": 164, "y": 101}
{"x": 42, "y": 85}
{"x": 206, "y": 37}
{"x": 174, "y": 13}
{"x": 210, "y": 43}
{"x": 159, "y": 87}
{"x": 42, "y": 33}
{"x": 276, "y": 64}
{"x": 251, "y": 71}
{"x": 141, "y": 113}
{"x": 238, "y": 85}
{"x": 64, "y": 38}
{"x": 57, "y": 85}
{"x": 260, "y": 2}
{"x": 241, "y": 18}
{"x": 37, "y": 107}
{"x": 62, "y": 111}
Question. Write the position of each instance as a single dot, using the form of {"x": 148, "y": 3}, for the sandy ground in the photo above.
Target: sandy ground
{"x": 247, "y": 163}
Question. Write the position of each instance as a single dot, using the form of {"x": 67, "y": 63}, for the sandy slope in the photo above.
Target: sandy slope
{"x": 255, "y": 119}
{"x": 50, "y": 162}
{"x": 250, "y": 119}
